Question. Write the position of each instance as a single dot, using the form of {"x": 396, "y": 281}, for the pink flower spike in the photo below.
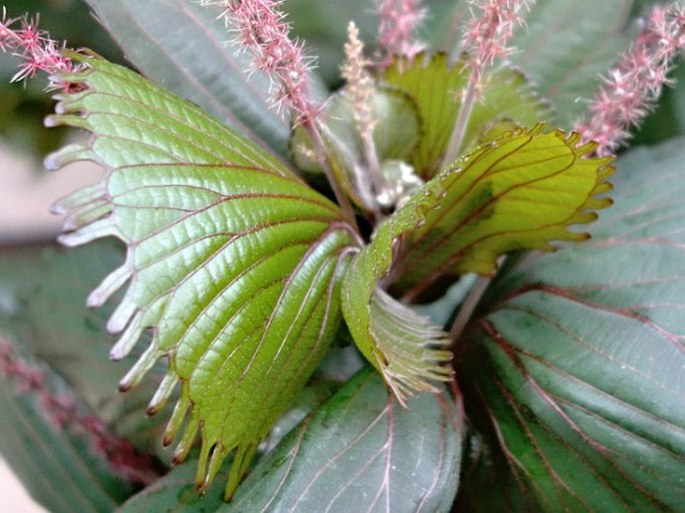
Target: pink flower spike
{"x": 631, "y": 89}
{"x": 398, "y": 20}
{"x": 35, "y": 49}
{"x": 261, "y": 28}
{"x": 485, "y": 40}
{"x": 6, "y": 32}
{"x": 487, "y": 35}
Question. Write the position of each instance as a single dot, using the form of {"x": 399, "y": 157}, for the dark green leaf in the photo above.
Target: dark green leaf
{"x": 435, "y": 86}
{"x": 176, "y": 492}
{"x": 178, "y": 487}
{"x": 42, "y": 293}
{"x": 668, "y": 118}
{"x": 233, "y": 262}
{"x": 362, "y": 451}
{"x": 184, "y": 47}
{"x": 487, "y": 485}
{"x": 359, "y": 452}
{"x": 62, "y": 453}
{"x": 578, "y": 370}
{"x": 565, "y": 47}
{"x": 323, "y": 27}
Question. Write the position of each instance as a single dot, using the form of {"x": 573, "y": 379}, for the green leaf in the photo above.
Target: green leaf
{"x": 436, "y": 85}
{"x": 196, "y": 60}
{"x": 565, "y": 47}
{"x": 363, "y": 448}
{"x": 488, "y": 485}
{"x": 43, "y": 293}
{"x": 520, "y": 192}
{"x": 577, "y": 367}
{"x": 61, "y": 452}
{"x": 403, "y": 345}
{"x": 233, "y": 262}
{"x": 323, "y": 27}
{"x": 361, "y": 451}
{"x": 177, "y": 492}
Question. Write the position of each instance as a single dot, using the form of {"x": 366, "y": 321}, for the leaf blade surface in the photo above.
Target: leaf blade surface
{"x": 233, "y": 262}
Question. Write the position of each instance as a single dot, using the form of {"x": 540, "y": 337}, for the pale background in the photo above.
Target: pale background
{"x": 26, "y": 193}
{"x": 14, "y": 498}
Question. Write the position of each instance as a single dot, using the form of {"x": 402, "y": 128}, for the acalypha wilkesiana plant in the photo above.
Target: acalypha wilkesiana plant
{"x": 288, "y": 226}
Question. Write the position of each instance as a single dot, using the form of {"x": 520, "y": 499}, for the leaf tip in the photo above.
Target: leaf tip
{"x": 58, "y": 208}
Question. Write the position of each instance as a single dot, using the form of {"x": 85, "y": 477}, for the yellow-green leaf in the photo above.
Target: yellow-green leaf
{"x": 404, "y": 346}
{"x": 436, "y": 87}
{"x": 520, "y": 192}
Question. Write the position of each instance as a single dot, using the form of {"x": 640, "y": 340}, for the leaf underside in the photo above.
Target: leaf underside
{"x": 577, "y": 372}
{"x": 233, "y": 262}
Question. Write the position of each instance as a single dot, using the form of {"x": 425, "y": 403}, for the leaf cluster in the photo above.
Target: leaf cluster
{"x": 291, "y": 341}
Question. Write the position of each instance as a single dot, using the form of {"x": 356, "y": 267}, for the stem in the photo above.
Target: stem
{"x": 459, "y": 130}
{"x": 378, "y": 183}
{"x": 340, "y": 196}
{"x": 468, "y": 307}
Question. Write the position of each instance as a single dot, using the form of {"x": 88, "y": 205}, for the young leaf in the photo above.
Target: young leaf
{"x": 578, "y": 370}
{"x": 404, "y": 346}
{"x": 435, "y": 86}
{"x": 520, "y": 192}
{"x": 395, "y": 134}
{"x": 233, "y": 262}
